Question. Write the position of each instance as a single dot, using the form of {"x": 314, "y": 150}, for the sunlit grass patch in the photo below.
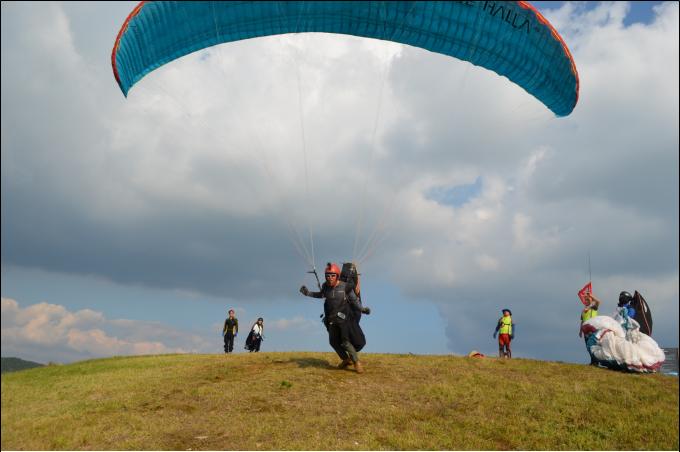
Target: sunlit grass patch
{"x": 300, "y": 401}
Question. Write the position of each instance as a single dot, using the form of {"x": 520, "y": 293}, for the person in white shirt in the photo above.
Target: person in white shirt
{"x": 255, "y": 337}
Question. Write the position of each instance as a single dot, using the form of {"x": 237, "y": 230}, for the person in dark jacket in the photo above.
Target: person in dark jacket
{"x": 230, "y": 331}
{"x": 338, "y": 305}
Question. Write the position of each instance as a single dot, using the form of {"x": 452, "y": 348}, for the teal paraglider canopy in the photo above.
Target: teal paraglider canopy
{"x": 510, "y": 38}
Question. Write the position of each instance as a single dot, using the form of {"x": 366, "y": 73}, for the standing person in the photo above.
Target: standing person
{"x": 256, "y": 336}
{"x": 338, "y": 305}
{"x": 588, "y": 313}
{"x": 230, "y": 331}
{"x": 506, "y": 333}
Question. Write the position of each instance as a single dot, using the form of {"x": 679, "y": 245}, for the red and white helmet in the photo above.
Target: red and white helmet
{"x": 332, "y": 268}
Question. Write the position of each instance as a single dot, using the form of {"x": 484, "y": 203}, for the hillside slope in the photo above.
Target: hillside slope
{"x": 298, "y": 401}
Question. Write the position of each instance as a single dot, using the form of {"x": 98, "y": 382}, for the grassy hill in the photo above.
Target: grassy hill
{"x": 298, "y": 401}
{"x": 14, "y": 364}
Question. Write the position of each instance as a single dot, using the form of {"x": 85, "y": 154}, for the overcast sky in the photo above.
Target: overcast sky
{"x": 131, "y": 226}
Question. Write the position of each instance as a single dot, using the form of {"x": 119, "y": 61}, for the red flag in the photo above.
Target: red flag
{"x": 588, "y": 288}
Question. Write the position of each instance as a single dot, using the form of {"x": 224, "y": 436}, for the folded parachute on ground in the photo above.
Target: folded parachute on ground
{"x": 510, "y": 38}
{"x": 617, "y": 343}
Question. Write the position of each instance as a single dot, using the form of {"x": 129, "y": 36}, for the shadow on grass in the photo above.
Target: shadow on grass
{"x": 311, "y": 362}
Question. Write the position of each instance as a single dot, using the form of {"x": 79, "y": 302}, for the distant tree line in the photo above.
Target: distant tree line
{"x": 15, "y": 364}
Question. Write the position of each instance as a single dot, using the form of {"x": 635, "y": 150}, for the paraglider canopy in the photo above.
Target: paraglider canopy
{"x": 510, "y": 38}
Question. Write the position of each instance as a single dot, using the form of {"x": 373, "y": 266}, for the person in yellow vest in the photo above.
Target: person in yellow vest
{"x": 506, "y": 333}
{"x": 588, "y": 313}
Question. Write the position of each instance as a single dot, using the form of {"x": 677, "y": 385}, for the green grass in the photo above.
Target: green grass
{"x": 284, "y": 401}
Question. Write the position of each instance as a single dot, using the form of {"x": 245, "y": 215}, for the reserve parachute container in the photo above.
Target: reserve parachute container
{"x": 643, "y": 315}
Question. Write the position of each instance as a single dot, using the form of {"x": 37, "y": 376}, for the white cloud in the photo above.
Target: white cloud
{"x": 296, "y": 323}
{"x": 202, "y": 166}
{"x": 486, "y": 262}
{"x": 47, "y": 332}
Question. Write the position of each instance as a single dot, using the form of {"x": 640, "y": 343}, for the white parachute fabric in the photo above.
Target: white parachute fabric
{"x": 603, "y": 322}
{"x": 617, "y": 342}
